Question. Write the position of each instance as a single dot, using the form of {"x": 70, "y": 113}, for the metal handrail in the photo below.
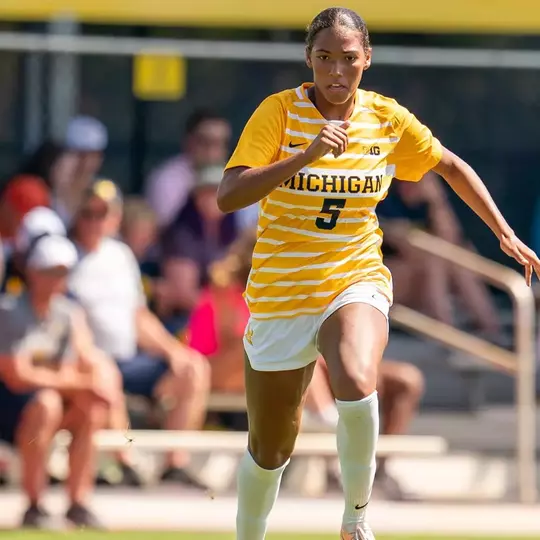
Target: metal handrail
{"x": 519, "y": 362}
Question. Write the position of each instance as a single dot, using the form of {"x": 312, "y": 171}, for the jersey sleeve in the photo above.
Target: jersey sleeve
{"x": 417, "y": 151}
{"x": 261, "y": 138}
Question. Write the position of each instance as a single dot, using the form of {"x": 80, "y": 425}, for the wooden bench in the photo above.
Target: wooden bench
{"x": 308, "y": 471}
{"x": 307, "y": 474}
{"x": 235, "y": 442}
{"x": 220, "y": 450}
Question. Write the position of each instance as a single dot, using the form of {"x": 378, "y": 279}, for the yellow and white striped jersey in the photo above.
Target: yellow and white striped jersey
{"x": 318, "y": 232}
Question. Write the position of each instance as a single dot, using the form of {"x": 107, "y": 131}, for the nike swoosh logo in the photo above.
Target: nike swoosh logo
{"x": 291, "y": 145}
{"x": 358, "y": 507}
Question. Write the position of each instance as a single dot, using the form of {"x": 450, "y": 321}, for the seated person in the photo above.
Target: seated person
{"x": 153, "y": 364}
{"x": 48, "y": 381}
{"x": 38, "y": 222}
{"x": 140, "y": 232}
{"x": 17, "y": 198}
{"x": 200, "y": 235}
{"x": 423, "y": 281}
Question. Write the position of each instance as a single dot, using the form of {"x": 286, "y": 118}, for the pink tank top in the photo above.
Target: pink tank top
{"x": 203, "y": 332}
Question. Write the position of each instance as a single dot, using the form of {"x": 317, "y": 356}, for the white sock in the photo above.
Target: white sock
{"x": 357, "y": 433}
{"x": 257, "y": 492}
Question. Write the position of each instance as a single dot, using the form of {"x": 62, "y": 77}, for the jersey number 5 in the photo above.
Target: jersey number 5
{"x": 331, "y": 208}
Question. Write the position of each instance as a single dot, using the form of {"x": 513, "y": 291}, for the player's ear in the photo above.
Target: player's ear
{"x": 367, "y": 63}
{"x": 308, "y": 58}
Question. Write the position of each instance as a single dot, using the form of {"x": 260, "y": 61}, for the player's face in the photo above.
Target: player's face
{"x": 338, "y": 60}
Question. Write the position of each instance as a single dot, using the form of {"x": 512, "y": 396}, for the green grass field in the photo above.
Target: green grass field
{"x": 142, "y": 535}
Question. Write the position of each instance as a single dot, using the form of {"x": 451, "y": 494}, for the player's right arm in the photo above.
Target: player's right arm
{"x": 254, "y": 170}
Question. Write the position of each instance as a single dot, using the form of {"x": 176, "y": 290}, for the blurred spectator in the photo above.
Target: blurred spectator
{"x": 140, "y": 232}
{"x": 207, "y": 138}
{"x": 218, "y": 322}
{"x": 423, "y": 281}
{"x": 21, "y": 194}
{"x": 199, "y": 236}
{"x": 38, "y": 222}
{"x": 47, "y": 380}
{"x": 153, "y": 364}
{"x": 43, "y": 162}
{"x": 84, "y": 146}
{"x": 400, "y": 387}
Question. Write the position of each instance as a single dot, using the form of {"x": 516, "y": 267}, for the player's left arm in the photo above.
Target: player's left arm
{"x": 418, "y": 152}
{"x": 462, "y": 178}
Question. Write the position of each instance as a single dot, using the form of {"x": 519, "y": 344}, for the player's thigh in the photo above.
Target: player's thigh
{"x": 274, "y": 401}
{"x": 352, "y": 341}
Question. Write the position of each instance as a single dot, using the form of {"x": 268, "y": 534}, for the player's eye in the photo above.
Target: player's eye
{"x": 323, "y": 57}
{"x": 350, "y": 58}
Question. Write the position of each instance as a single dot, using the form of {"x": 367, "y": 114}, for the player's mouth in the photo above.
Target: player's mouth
{"x": 337, "y": 87}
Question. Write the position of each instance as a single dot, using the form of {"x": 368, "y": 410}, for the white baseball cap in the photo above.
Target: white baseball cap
{"x": 52, "y": 252}
{"x": 86, "y": 134}
{"x": 38, "y": 222}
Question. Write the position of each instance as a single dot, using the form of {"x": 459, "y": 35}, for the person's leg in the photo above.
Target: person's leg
{"x": 422, "y": 282}
{"x": 475, "y": 295}
{"x": 274, "y": 402}
{"x": 84, "y": 417}
{"x": 185, "y": 397}
{"x": 320, "y": 402}
{"x": 182, "y": 397}
{"x": 352, "y": 341}
{"x": 400, "y": 388}
{"x": 39, "y": 421}
{"x": 118, "y": 419}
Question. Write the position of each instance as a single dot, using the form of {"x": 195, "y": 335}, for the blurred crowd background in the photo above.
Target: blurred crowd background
{"x": 121, "y": 150}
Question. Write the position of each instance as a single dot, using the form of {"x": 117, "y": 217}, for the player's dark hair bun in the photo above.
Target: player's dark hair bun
{"x": 337, "y": 16}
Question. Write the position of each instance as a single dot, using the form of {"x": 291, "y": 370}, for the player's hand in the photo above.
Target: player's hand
{"x": 331, "y": 139}
{"x": 523, "y": 254}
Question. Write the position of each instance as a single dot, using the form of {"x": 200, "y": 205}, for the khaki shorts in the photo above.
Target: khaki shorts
{"x": 287, "y": 344}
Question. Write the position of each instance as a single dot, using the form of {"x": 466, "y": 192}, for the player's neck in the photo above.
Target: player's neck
{"x": 331, "y": 111}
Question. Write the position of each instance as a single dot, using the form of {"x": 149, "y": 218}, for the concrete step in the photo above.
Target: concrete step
{"x": 491, "y": 431}
{"x": 446, "y": 386}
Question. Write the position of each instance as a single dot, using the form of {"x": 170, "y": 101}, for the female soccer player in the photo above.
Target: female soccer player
{"x": 319, "y": 158}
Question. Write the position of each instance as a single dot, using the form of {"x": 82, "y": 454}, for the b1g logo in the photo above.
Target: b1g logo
{"x": 375, "y": 151}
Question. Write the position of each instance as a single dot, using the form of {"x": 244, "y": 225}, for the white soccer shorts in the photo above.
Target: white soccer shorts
{"x": 287, "y": 344}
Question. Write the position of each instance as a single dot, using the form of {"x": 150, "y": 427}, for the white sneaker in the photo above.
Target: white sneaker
{"x": 363, "y": 532}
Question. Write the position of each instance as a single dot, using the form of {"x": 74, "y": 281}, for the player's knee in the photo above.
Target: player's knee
{"x": 356, "y": 380}
{"x": 272, "y": 448}
{"x": 270, "y": 457}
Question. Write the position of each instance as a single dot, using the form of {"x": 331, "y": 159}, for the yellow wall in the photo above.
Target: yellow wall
{"x": 511, "y": 16}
